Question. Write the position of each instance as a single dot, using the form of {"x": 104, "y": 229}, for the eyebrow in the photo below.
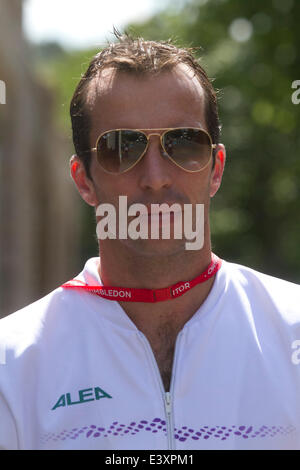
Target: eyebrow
{"x": 179, "y": 125}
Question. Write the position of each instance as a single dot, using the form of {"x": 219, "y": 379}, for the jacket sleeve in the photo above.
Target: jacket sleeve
{"x": 8, "y": 432}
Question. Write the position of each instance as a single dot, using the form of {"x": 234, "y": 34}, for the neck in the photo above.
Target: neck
{"x": 124, "y": 268}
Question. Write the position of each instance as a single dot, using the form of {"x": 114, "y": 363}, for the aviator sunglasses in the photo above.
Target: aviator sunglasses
{"x": 119, "y": 150}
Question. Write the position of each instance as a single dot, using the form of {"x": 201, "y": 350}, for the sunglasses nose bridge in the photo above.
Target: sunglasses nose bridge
{"x": 153, "y": 133}
{"x": 146, "y": 150}
{"x": 160, "y": 138}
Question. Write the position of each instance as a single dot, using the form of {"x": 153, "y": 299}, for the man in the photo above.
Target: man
{"x": 200, "y": 353}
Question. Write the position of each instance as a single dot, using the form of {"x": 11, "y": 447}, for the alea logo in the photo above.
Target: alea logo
{"x": 85, "y": 395}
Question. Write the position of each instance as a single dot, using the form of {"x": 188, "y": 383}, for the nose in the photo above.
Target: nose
{"x": 155, "y": 171}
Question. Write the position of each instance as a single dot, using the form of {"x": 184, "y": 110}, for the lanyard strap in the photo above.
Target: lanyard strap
{"x": 129, "y": 294}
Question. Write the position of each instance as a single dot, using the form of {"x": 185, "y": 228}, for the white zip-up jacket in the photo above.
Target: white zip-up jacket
{"x": 76, "y": 373}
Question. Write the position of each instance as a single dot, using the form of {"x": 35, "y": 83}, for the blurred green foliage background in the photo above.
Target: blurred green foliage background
{"x": 251, "y": 50}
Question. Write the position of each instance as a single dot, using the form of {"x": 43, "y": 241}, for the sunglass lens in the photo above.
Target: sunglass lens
{"x": 189, "y": 148}
{"x": 117, "y": 151}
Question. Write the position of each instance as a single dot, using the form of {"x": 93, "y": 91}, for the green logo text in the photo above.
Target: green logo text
{"x": 87, "y": 394}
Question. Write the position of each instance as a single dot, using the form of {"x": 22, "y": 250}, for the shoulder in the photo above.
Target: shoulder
{"x": 245, "y": 275}
{"x": 263, "y": 289}
{"x": 25, "y": 326}
{"x": 46, "y": 321}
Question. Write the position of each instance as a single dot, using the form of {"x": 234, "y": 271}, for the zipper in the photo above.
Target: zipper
{"x": 168, "y": 409}
{"x": 167, "y": 396}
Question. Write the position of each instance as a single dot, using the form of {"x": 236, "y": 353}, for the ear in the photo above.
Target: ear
{"x": 83, "y": 183}
{"x": 217, "y": 172}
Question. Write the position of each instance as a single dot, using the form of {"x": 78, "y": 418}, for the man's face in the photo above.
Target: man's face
{"x": 171, "y": 99}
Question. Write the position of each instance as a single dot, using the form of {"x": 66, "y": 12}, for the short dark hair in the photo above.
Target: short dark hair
{"x": 141, "y": 57}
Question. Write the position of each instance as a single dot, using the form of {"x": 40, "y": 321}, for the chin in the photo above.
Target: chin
{"x": 147, "y": 248}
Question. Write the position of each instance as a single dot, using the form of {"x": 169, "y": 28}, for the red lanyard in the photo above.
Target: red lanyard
{"x": 129, "y": 294}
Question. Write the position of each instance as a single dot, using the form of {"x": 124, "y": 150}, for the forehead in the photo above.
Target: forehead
{"x": 171, "y": 98}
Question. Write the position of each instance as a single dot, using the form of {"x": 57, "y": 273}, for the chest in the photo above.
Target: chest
{"x": 163, "y": 348}
{"x": 104, "y": 394}
{"x": 164, "y": 360}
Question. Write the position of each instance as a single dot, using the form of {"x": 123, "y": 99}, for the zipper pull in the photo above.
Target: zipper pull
{"x": 168, "y": 402}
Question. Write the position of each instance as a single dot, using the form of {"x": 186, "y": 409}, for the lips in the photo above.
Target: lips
{"x": 162, "y": 216}
{"x": 162, "y": 208}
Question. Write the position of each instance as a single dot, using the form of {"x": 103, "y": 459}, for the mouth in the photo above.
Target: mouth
{"x": 158, "y": 215}
{"x": 163, "y": 216}
{"x": 160, "y": 209}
